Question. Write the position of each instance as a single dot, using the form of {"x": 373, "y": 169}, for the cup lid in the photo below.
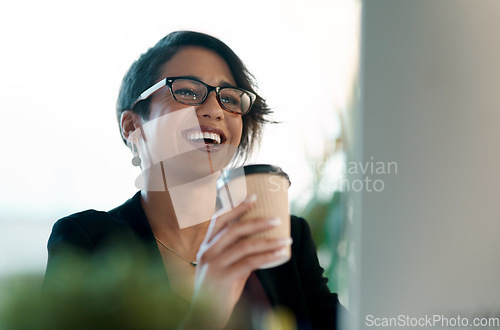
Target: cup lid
{"x": 250, "y": 169}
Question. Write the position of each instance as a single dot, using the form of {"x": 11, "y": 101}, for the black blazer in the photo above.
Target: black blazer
{"x": 298, "y": 284}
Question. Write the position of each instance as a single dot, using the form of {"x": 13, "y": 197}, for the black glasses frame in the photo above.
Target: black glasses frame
{"x": 168, "y": 81}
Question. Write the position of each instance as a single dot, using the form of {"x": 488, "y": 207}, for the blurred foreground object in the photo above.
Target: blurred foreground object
{"x": 111, "y": 291}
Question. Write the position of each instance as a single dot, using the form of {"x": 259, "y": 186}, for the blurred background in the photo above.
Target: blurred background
{"x": 61, "y": 67}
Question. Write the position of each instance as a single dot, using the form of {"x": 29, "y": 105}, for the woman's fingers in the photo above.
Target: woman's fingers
{"x": 254, "y": 261}
{"x": 234, "y": 244}
{"x": 220, "y": 221}
{"x": 234, "y": 232}
{"x": 246, "y": 251}
{"x": 246, "y": 256}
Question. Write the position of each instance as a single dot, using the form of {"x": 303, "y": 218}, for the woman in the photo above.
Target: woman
{"x": 186, "y": 108}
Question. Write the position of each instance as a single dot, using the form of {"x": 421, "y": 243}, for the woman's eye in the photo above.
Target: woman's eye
{"x": 230, "y": 100}
{"x": 186, "y": 93}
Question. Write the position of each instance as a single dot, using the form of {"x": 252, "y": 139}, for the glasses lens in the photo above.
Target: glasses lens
{"x": 235, "y": 100}
{"x": 188, "y": 91}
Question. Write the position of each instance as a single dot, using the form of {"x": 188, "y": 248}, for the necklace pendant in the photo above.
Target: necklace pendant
{"x": 193, "y": 263}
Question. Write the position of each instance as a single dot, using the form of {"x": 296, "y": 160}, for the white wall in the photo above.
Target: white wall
{"x": 429, "y": 242}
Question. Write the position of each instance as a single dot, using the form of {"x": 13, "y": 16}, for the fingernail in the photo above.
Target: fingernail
{"x": 281, "y": 252}
{"x": 274, "y": 221}
{"x": 250, "y": 199}
{"x": 285, "y": 241}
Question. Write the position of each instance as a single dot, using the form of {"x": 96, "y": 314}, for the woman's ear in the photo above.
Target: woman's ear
{"x": 129, "y": 122}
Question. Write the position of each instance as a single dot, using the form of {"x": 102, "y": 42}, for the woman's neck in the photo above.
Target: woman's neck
{"x": 180, "y": 215}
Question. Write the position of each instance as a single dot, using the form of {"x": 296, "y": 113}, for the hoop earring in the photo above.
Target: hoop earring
{"x": 136, "y": 161}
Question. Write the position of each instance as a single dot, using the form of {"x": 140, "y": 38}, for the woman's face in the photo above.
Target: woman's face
{"x": 182, "y": 124}
{"x": 207, "y": 66}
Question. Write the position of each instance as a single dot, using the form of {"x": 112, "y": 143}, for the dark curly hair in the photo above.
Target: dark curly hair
{"x": 147, "y": 69}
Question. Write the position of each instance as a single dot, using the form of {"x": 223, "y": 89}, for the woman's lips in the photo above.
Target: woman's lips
{"x": 198, "y": 135}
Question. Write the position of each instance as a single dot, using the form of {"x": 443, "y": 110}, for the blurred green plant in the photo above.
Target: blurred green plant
{"x": 111, "y": 291}
{"x": 328, "y": 228}
{"x": 116, "y": 289}
{"x": 326, "y": 214}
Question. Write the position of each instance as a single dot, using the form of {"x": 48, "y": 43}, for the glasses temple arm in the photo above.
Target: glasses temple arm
{"x": 147, "y": 93}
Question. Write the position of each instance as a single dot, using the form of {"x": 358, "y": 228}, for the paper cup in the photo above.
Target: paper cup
{"x": 270, "y": 184}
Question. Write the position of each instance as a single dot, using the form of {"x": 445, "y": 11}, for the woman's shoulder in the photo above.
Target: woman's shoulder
{"x": 91, "y": 226}
{"x": 91, "y": 218}
{"x": 297, "y": 222}
{"x": 87, "y": 227}
{"x": 301, "y": 234}
{"x": 82, "y": 218}
{"x": 299, "y": 227}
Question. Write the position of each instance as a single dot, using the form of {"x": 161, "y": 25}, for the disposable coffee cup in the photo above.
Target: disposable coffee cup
{"x": 270, "y": 184}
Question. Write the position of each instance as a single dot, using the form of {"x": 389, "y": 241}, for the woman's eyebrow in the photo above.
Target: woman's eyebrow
{"x": 226, "y": 84}
{"x": 222, "y": 83}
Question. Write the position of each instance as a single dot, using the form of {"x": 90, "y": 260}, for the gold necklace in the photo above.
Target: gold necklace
{"x": 192, "y": 263}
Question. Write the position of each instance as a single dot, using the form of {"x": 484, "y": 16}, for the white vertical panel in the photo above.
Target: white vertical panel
{"x": 430, "y": 102}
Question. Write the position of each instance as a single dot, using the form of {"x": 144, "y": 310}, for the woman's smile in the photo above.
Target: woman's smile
{"x": 207, "y": 138}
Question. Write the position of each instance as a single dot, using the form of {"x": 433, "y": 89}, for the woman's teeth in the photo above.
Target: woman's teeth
{"x": 214, "y": 137}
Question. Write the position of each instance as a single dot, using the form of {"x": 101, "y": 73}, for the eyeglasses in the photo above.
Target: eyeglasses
{"x": 194, "y": 92}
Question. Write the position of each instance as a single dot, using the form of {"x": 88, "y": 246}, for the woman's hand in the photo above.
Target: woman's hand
{"x": 227, "y": 257}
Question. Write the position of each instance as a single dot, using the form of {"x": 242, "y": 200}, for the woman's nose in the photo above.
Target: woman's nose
{"x": 210, "y": 108}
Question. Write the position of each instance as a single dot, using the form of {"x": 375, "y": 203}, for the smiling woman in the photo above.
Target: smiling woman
{"x": 184, "y": 136}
